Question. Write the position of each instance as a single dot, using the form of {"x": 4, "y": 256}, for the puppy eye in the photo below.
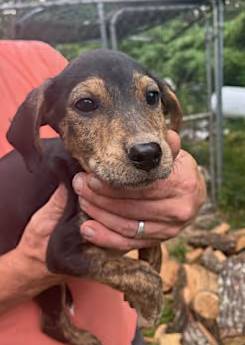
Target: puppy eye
{"x": 86, "y": 104}
{"x": 152, "y": 97}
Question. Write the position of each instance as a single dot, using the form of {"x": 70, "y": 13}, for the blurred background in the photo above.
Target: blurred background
{"x": 199, "y": 48}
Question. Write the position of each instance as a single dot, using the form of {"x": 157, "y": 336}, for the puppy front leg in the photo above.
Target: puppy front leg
{"x": 69, "y": 254}
{"x": 140, "y": 283}
{"x": 55, "y": 320}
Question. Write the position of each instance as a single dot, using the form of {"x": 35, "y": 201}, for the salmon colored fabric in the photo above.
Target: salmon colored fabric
{"x": 97, "y": 308}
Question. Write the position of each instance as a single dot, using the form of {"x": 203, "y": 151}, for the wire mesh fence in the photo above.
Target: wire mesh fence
{"x": 177, "y": 40}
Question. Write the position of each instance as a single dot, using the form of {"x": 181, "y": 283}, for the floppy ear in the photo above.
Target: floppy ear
{"x": 171, "y": 106}
{"x": 23, "y": 133}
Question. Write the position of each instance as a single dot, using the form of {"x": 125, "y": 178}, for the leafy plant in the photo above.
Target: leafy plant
{"x": 178, "y": 250}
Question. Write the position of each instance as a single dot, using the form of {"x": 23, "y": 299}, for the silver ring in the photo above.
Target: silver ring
{"x": 141, "y": 230}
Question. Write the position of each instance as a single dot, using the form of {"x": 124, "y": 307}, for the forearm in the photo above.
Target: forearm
{"x": 20, "y": 279}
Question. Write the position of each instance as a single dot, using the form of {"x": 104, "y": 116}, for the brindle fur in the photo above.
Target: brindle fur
{"x": 97, "y": 142}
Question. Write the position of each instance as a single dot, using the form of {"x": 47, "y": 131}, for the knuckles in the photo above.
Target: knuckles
{"x": 186, "y": 212}
{"x": 190, "y": 185}
{"x": 125, "y": 228}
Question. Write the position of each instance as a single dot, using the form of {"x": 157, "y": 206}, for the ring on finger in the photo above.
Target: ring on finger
{"x": 140, "y": 230}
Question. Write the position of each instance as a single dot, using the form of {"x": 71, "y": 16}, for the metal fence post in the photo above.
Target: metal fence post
{"x": 218, "y": 23}
{"x": 103, "y": 32}
{"x": 212, "y": 152}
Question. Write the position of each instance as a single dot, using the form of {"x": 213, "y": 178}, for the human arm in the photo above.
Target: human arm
{"x": 23, "y": 272}
{"x": 165, "y": 207}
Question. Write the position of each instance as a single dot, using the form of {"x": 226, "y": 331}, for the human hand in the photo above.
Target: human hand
{"x": 31, "y": 250}
{"x": 166, "y": 206}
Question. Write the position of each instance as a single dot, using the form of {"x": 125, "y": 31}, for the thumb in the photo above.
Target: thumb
{"x": 56, "y": 203}
{"x": 173, "y": 140}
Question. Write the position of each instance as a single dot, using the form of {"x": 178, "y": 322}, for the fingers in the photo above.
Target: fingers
{"x": 124, "y": 226}
{"x": 174, "y": 199}
{"x": 84, "y": 184}
{"x": 44, "y": 220}
{"x": 82, "y": 181}
{"x": 173, "y": 140}
{"x": 169, "y": 209}
{"x": 56, "y": 203}
{"x": 132, "y": 209}
{"x": 128, "y": 228}
{"x": 165, "y": 206}
{"x": 99, "y": 235}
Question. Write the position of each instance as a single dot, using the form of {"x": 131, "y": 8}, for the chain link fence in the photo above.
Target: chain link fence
{"x": 181, "y": 41}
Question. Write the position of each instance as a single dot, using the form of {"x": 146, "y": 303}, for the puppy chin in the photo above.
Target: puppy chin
{"x": 92, "y": 164}
{"x": 85, "y": 166}
{"x": 131, "y": 179}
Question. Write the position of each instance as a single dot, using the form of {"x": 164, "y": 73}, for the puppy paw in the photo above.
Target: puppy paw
{"x": 148, "y": 298}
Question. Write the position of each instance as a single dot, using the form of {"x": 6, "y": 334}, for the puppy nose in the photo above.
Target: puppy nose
{"x": 145, "y": 156}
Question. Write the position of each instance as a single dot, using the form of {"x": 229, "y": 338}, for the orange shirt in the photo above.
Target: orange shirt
{"x": 97, "y": 308}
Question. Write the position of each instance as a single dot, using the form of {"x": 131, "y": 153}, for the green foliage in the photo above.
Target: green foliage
{"x": 234, "y": 67}
{"x": 178, "y": 250}
{"x": 232, "y": 198}
{"x": 73, "y": 50}
{"x": 167, "y": 312}
{"x": 183, "y": 60}
{"x": 166, "y": 316}
{"x": 234, "y": 32}
{"x": 199, "y": 150}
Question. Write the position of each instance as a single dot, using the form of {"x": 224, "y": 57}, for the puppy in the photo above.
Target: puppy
{"x": 110, "y": 114}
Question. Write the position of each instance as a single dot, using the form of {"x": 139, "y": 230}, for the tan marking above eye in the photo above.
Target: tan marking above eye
{"x": 89, "y": 88}
{"x": 142, "y": 84}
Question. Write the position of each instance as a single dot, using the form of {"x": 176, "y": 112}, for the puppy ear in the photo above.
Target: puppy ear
{"x": 171, "y": 106}
{"x": 23, "y": 133}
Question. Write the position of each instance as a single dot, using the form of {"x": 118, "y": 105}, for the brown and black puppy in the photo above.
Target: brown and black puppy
{"x": 110, "y": 114}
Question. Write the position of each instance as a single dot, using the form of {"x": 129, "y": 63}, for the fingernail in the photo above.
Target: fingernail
{"x": 94, "y": 183}
{"x": 77, "y": 182}
{"x": 87, "y": 232}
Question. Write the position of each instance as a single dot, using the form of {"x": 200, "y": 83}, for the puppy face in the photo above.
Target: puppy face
{"x": 111, "y": 115}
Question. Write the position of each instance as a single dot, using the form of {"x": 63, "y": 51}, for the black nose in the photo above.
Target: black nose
{"x": 145, "y": 156}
